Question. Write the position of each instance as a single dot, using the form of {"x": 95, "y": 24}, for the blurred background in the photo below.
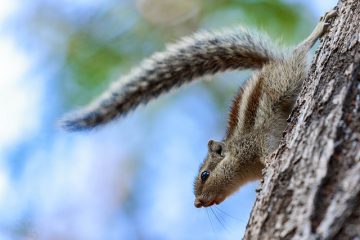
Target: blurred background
{"x": 131, "y": 179}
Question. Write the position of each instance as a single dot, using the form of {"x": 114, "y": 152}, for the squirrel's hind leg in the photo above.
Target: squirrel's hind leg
{"x": 319, "y": 30}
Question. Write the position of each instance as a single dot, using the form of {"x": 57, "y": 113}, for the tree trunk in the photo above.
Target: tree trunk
{"x": 311, "y": 186}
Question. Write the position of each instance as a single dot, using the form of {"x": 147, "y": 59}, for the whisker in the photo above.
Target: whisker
{"x": 212, "y": 226}
{"x": 221, "y": 223}
{"x": 227, "y": 214}
{"x": 220, "y": 215}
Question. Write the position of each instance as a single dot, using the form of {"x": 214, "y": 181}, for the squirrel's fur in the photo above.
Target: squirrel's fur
{"x": 258, "y": 114}
{"x": 204, "y": 53}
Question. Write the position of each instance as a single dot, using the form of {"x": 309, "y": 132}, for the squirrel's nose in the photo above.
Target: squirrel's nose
{"x": 198, "y": 203}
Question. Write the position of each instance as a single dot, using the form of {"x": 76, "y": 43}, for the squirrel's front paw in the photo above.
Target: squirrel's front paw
{"x": 324, "y": 19}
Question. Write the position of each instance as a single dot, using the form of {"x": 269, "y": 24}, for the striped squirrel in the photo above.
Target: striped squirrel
{"x": 259, "y": 112}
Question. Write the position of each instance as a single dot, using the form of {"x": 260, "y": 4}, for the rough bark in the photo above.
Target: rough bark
{"x": 311, "y": 186}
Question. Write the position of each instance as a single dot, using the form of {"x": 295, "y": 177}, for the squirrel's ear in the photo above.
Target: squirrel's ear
{"x": 217, "y": 147}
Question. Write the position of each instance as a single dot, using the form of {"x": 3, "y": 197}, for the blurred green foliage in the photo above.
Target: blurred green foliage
{"x": 275, "y": 16}
{"x": 105, "y": 43}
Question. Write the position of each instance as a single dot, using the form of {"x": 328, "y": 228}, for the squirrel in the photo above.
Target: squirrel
{"x": 258, "y": 114}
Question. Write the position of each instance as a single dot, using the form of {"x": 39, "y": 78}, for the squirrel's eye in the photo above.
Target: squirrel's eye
{"x": 204, "y": 176}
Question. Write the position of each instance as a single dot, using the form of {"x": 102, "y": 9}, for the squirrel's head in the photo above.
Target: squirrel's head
{"x": 213, "y": 183}
{"x": 226, "y": 167}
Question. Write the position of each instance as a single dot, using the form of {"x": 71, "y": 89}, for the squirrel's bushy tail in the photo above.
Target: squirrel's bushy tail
{"x": 192, "y": 57}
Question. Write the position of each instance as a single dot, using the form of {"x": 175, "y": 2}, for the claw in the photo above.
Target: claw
{"x": 329, "y": 15}
{"x": 326, "y": 26}
{"x": 324, "y": 19}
